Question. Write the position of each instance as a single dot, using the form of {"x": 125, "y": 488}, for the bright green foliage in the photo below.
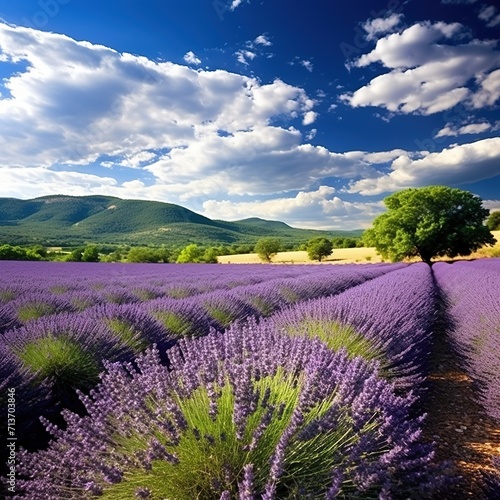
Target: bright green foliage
{"x": 62, "y": 359}
{"x": 337, "y": 336}
{"x": 493, "y": 222}
{"x": 177, "y": 324}
{"x": 267, "y": 248}
{"x": 210, "y": 255}
{"x": 34, "y": 310}
{"x": 433, "y": 221}
{"x": 128, "y": 334}
{"x": 146, "y": 254}
{"x": 90, "y": 254}
{"x": 318, "y": 248}
{"x": 191, "y": 253}
{"x": 75, "y": 255}
{"x": 9, "y": 252}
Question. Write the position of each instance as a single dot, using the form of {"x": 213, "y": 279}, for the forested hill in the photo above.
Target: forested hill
{"x": 70, "y": 220}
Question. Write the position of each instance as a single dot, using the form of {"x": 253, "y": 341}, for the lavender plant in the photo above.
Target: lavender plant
{"x": 33, "y": 305}
{"x": 31, "y": 398}
{"x": 132, "y": 325}
{"x": 247, "y": 414}
{"x": 389, "y": 318}
{"x": 181, "y": 318}
{"x": 64, "y": 352}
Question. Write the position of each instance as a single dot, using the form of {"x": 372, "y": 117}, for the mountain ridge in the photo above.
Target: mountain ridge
{"x": 72, "y": 220}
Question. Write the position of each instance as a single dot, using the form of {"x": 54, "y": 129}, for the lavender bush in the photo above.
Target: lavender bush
{"x": 247, "y": 414}
{"x": 64, "y": 353}
{"x": 31, "y": 306}
{"x": 389, "y": 318}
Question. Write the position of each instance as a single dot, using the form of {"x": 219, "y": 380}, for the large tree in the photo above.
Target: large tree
{"x": 317, "y": 248}
{"x": 428, "y": 222}
{"x": 267, "y": 248}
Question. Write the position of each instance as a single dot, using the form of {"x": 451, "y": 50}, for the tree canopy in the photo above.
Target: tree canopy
{"x": 494, "y": 221}
{"x": 433, "y": 221}
{"x": 317, "y": 248}
{"x": 267, "y": 248}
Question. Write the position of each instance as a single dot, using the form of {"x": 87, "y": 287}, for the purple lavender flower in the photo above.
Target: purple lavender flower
{"x": 389, "y": 318}
{"x": 61, "y": 354}
{"x": 336, "y": 427}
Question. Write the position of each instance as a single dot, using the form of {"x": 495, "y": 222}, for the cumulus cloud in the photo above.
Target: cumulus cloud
{"x": 191, "y": 58}
{"x": 381, "y": 25}
{"x": 459, "y": 164}
{"x": 76, "y": 101}
{"x": 309, "y": 117}
{"x": 428, "y": 75}
{"x": 236, "y": 3}
{"x": 489, "y": 15}
{"x": 492, "y": 205}
{"x": 262, "y": 40}
{"x": 244, "y": 55}
{"x": 318, "y": 209}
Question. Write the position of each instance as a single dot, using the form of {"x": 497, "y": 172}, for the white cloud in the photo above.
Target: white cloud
{"x": 309, "y": 118}
{"x": 316, "y": 209}
{"x": 191, "y": 58}
{"x": 308, "y": 65}
{"x": 244, "y": 55}
{"x": 460, "y": 164}
{"x": 262, "y": 40}
{"x": 31, "y": 182}
{"x": 489, "y": 15}
{"x": 492, "y": 205}
{"x": 472, "y": 128}
{"x": 76, "y": 101}
{"x": 137, "y": 160}
{"x": 311, "y": 134}
{"x": 381, "y": 25}
{"x": 236, "y": 3}
{"x": 489, "y": 91}
{"x": 426, "y": 75}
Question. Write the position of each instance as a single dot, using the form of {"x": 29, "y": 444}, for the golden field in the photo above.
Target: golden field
{"x": 363, "y": 255}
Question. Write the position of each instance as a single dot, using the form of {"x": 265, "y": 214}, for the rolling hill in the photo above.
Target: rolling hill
{"x": 73, "y": 220}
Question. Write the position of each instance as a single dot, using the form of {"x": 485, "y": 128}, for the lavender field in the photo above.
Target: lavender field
{"x": 238, "y": 381}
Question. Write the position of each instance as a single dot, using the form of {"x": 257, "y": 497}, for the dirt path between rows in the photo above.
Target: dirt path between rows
{"x": 463, "y": 432}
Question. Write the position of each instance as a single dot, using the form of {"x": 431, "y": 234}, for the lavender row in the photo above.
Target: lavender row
{"x": 247, "y": 414}
{"x": 471, "y": 293}
{"x": 120, "y": 283}
{"x": 65, "y": 351}
{"x": 31, "y": 303}
{"x": 389, "y": 318}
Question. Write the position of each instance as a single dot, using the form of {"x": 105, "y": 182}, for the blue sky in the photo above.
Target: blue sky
{"x": 305, "y": 112}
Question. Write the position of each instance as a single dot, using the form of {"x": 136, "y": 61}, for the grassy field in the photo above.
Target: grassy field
{"x": 363, "y": 255}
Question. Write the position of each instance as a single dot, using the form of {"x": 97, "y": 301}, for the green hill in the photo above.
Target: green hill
{"x": 73, "y": 220}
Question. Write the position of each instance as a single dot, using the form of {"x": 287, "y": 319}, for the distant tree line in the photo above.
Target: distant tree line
{"x": 266, "y": 248}
{"x": 427, "y": 222}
